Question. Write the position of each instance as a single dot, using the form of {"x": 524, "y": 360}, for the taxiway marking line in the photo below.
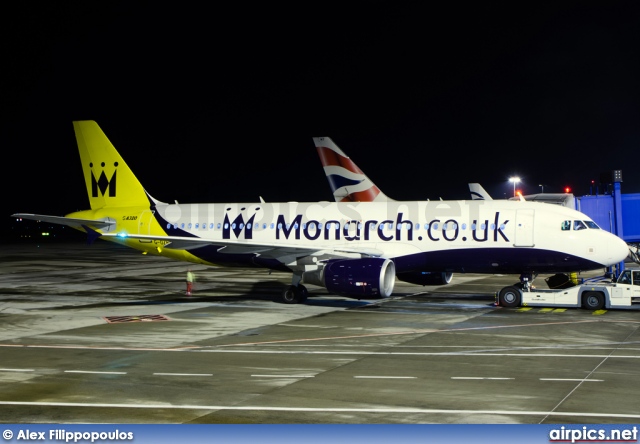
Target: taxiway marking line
{"x": 572, "y": 380}
{"x": 322, "y": 409}
{"x": 386, "y": 377}
{"x": 478, "y": 377}
{"x": 283, "y": 376}
{"x": 183, "y": 374}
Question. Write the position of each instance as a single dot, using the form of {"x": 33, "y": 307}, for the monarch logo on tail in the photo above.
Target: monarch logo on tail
{"x": 103, "y": 183}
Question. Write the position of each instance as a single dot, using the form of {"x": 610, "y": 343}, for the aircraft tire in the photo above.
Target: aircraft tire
{"x": 509, "y": 297}
{"x": 290, "y": 295}
{"x": 593, "y": 300}
{"x": 303, "y": 293}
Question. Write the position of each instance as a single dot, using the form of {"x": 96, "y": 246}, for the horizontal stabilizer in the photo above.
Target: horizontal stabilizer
{"x": 68, "y": 221}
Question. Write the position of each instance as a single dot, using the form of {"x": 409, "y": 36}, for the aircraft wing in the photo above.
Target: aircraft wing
{"x": 71, "y": 222}
{"x": 276, "y": 251}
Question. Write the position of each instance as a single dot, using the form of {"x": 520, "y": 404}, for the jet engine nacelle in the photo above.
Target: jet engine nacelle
{"x": 366, "y": 278}
{"x": 426, "y": 277}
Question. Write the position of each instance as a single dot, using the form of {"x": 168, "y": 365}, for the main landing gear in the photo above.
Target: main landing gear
{"x": 511, "y": 296}
{"x": 295, "y": 294}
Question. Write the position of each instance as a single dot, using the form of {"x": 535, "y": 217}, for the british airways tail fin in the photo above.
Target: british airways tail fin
{"x": 478, "y": 193}
{"x": 348, "y": 183}
{"x": 110, "y": 182}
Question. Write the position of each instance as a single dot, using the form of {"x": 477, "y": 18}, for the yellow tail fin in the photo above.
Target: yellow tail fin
{"x": 110, "y": 182}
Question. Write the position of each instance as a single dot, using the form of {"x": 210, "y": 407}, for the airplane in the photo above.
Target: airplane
{"x": 353, "y": 249}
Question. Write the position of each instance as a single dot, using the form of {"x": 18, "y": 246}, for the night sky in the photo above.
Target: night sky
{"x": 210, "y": 103}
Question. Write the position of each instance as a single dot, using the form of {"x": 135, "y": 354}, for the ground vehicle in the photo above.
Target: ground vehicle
{"x": 623, "y": 293}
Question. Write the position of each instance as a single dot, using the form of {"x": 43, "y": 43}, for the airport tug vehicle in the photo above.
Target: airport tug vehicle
{"x": 595, "y": 294}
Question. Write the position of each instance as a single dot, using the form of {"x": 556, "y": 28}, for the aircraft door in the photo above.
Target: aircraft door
{"x": 144, "y": 222}
{"x": 524, "y": 228}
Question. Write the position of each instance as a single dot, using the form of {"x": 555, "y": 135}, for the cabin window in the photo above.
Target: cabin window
{"x": 197, "y": 226}
{"x": 218, "y": 226}
{"x": 168, "y": 226}
{"x": 417, "y": 226}
{"x": 426, "y": 226}
{"x": 566, "y": 225}
{"x": 211, "y": 226}
{"x": 182, "y": 225}
{"x": 579, "y": 225}
{"x": 272, "y": 225}
{"x": 464, "y": 226}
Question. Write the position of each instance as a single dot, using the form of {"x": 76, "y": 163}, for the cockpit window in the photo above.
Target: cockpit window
{"x": 592, "y": 224}
{"x": 579, "y": 225}
{"x": 566, "y": 225}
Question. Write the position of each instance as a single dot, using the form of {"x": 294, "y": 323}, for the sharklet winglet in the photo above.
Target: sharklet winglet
{"x": 92, "y": 234}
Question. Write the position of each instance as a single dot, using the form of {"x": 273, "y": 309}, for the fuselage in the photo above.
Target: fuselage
{"x": 471, "y": 236}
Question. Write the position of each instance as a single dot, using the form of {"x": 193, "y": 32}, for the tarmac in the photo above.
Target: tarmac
{"x": 104, "y": 334}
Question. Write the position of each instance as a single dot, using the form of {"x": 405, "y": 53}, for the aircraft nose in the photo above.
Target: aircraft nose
{"x": 618, "y": 249}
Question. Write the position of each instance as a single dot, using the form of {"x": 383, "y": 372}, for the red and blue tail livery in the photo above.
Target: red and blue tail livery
{"x": 348, "y": 183}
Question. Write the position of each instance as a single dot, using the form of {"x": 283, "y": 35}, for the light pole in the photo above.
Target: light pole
{"x": 515, "y": 180}
{"x": 541, "y": 188}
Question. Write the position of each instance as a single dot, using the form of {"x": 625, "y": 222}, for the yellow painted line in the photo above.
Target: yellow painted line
{"x": 524, "y": 309}
{"x": 559, "y": 310}
{"x": 598, "y": 312}
{"x": 546, "y": 310}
